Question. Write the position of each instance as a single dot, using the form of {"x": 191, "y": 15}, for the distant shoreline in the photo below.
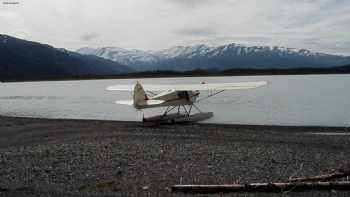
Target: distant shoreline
{"x": 237, "y": 126}
{"x": 193, "y": 73}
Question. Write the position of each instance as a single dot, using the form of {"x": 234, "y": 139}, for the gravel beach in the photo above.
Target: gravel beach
{"x": 43, "y": 157}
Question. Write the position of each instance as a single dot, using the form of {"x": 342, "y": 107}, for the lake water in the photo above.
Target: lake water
{"x": 286, "y": 100}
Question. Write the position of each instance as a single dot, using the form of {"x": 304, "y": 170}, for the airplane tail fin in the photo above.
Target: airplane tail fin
{"x": 140, "y": 96}
{"x": 141, "y": 99}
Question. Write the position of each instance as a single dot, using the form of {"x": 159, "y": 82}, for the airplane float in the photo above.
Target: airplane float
{"x": 179, "y": 98}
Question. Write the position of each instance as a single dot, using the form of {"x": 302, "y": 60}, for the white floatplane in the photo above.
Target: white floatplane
{"x": 178, "y": 98}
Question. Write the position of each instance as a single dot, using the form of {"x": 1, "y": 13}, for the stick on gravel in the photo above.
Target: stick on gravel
{"x": 261, "y": 187}
{"x": 325, "y": 177}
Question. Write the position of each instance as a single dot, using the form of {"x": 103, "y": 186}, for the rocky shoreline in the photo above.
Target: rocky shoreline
{"x": 43, "y": 157}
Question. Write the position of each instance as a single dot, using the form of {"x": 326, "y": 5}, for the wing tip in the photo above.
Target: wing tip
{"x": 263, "y": 83}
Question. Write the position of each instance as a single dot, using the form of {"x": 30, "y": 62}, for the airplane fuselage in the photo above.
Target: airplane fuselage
{"x": 171, "y": 98}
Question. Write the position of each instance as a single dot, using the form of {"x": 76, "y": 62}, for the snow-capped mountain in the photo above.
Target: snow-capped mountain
{"x": 182, "y": 58}
{"x": 135, "y": 58}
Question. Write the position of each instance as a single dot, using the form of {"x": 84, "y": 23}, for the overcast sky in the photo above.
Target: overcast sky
{"x": 319, "y": 25}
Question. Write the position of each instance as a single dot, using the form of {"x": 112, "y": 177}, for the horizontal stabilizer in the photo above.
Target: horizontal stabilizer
{"x": 154, "y": 102}
{"x": 125, "y": 102}
{"x": 146, "y": 102}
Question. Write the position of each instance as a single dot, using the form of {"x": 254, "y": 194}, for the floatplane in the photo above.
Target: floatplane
{"x": 179, "y": 100}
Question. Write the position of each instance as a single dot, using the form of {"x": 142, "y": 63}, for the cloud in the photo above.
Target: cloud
{"x": 319, "y": 25}
{"x": 89, "y": 36}
{"x": 201, "y": 32}
{"x": 196, "y": 4}
{"x": 191, "y": 3}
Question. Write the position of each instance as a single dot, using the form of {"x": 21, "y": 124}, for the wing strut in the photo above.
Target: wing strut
{"x": 210, "y": 95}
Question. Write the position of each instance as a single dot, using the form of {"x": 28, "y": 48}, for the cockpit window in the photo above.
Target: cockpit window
{"x": 183, "y": 94}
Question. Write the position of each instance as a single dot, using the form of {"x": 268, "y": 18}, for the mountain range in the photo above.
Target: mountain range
{"x": 26, "y": 60}
{"x": 230, "y": 56}
{"x": 22, "y": 59}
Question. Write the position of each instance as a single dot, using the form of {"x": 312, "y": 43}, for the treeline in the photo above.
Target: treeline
{"x": 193, "y": 73}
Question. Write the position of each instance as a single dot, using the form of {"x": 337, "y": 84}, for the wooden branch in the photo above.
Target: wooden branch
{"x": 261, "y": 187}
{"x": 325, "y": 177}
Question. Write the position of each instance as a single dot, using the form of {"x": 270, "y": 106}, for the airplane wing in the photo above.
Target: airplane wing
{"x": 189, "y": 87}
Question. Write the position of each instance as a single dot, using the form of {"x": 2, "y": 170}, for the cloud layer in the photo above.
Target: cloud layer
{"x": 319, "y": 25}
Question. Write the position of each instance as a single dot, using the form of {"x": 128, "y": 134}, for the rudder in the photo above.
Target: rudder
{"x": 140, "y": 96}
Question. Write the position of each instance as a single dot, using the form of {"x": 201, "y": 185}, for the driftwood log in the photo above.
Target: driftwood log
{"x": 261, "y": 187}
{"x": 325, "y": 177}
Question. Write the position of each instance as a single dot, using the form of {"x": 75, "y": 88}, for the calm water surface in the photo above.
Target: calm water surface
{"x": 286, "y": 100}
